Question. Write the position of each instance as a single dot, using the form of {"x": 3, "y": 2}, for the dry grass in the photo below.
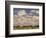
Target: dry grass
{"x": 26, "y": 27}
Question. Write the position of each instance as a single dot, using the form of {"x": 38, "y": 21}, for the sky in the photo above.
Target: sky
{"x": 28, "y": 11}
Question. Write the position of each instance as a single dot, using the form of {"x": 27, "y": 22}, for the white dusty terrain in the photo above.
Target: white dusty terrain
{"x": 34, "y": 20}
